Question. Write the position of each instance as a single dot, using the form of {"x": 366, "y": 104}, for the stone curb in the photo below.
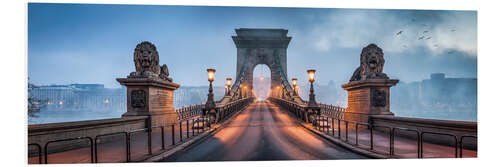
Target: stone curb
{"x": 193, "y": 141}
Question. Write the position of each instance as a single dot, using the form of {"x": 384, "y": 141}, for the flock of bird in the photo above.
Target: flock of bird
{"x": 424, "y": 36}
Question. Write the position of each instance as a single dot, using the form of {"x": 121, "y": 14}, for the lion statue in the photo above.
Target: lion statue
{"x": 146, "y": 60}
{"x": 371, "y": 64}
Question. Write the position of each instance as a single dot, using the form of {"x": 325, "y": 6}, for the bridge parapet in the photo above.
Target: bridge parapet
{"x": 228, "y": 109}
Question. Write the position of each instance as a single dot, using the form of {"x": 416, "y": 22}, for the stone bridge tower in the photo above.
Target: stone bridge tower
{"x": 261, "y": 46}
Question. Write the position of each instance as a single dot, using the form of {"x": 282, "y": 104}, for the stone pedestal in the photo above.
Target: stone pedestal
{"x": 368, "y": 97}
{"x": 150, "y": 97}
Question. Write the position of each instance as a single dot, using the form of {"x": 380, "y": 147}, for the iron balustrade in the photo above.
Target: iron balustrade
{"x": 395, "y": 129}
{"x": 149, "y": 139}
{"x": 39, "y": 150}
{"x": 189, "y": 113}
{"x": 336, "y": 115}
{"x": 127, "y": 141}
{"x": 162, "y": 128}
{"x": 436, "y": 133}
{"x": 462, "y": 143}
{"x": 70, "y": 139}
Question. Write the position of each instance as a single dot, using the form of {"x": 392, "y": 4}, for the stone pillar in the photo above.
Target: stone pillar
{"x": 150, "y": 90}
{"x": 150, "y": 97}
{"x": 368, "y": 89}
{"x": 368, "y": 97}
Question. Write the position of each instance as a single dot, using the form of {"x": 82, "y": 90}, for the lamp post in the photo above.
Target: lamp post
{"x": 277, "y": 92}
{"x": 245, "y": 93}
{"x": 294, "y": 84}
{"x": 282, "y": 91}
{"x": 210, "y": 104}
{"x": 228, "y": 85}
{"x": 312, "y": 106}
{"x": 240, "y": 92}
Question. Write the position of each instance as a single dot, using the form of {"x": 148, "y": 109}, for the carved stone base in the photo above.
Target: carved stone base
{"x": 368, "y": 97}
{"x": 150, "y": 97}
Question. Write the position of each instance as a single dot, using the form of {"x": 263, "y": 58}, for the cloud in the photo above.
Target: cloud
{"x": 438, "y": 31}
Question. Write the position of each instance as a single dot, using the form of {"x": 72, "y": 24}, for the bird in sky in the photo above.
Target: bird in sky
{"x": 399, "y": 33}
{"x": 453, "y": 30}
{"x": 422, "y": 37}
{"x": 428, "y": 38}
{"x": 435, "y": 45}
{"x": 425, "y": 31}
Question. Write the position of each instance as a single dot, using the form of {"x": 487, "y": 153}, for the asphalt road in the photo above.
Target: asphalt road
{"x": 263, "y": 132}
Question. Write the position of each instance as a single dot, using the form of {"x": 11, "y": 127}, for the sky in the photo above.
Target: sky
{"x": 86, "y": 43}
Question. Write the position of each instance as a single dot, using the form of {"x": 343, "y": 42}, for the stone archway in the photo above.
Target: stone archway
{"x": 261, "y": 46}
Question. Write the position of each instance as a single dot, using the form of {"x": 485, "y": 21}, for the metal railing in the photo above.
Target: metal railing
{"x": 39, "y": 150}
{"x": 189, "y": 116}
{"x": 70, "y": 139}
{"x": 127, "y": 142}
{"x": 189, "y": 111}
{"x": 335, "y": 114}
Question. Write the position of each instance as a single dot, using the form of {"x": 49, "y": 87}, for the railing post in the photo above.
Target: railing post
{"x": 127, "y": 150}
{"x": 391, "y": 142}
{"x": 346, "y": 131}
{"x": 419, "y": 149}
{"x": 162, "y": 137}
{"x": 150, "y": 129}
{"x": 180, "y": 130}
{"x": 192, "y": 130}
{"x": 371, "y": 137}
{"x": 333, "y": 127}
{"x": 95, "y": 150}
{"x": 339, "y": 129}
{"x": 357, "y": 133}
{"x": 173, "y": 133}
{"x": 187, "y": 128}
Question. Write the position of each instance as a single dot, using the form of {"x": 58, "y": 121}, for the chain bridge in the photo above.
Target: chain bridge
{"x": 240, "y": 128}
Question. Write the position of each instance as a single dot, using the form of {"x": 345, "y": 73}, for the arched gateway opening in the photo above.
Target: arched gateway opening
{"x": 261, "y": 82}
{"x": 266, "y": 47}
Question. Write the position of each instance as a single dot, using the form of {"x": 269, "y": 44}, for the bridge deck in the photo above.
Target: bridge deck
{"x": 263, "y": 132}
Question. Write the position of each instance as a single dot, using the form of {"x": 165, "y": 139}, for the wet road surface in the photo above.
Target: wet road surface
{"x": 263, "y": 132}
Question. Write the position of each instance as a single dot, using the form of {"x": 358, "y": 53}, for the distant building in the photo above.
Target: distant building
{"x": 438, "y": 98}
{"x": 454, "y": 91}
{"x": 81, "y": 97}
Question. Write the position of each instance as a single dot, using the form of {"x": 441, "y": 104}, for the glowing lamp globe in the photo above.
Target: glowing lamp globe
{"x": 211, "y": 74}
{"x": 311, "y": 75}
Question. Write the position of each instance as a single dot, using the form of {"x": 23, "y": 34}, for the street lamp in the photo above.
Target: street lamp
{"x": 282, "y": 91}
{"x": 245, "y": 93}
{"x": 277, "y": 92}
{"x": 294, "y": 84}
{"x": 312, "y": 106}
{"x": 240, "y": 92}
{"x": 228, "y": 85}
{"x": 210, "y": 104}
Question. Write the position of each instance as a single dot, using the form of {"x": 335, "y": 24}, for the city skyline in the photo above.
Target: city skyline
{"x": 328, "y": 40}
